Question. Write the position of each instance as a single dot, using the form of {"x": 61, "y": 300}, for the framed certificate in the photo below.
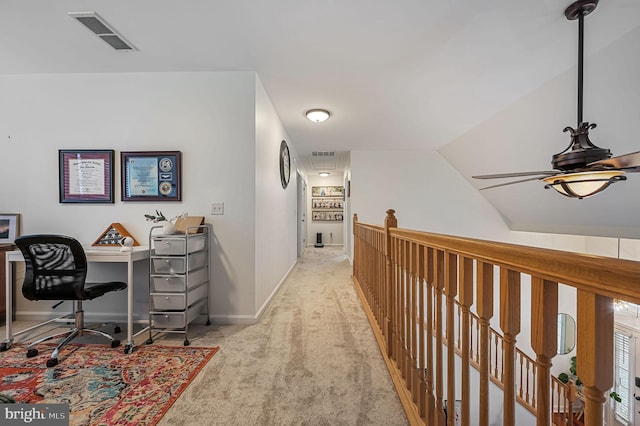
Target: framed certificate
{"x": 85, "y": 176}
{"x": 151, "y": 175}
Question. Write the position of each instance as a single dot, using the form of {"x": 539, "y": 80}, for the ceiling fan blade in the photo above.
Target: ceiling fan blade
{"x": 518, "y": 174}
{"x": 510, "y": 183}
{"x": 626, "y": 161}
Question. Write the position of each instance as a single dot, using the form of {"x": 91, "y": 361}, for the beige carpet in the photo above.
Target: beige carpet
{"x": 311, "y": 360}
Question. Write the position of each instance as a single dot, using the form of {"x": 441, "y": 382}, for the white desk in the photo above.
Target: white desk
{"x": 94, "y": 254}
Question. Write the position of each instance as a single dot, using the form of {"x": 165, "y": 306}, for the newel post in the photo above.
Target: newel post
{"x": 389, "y": 222}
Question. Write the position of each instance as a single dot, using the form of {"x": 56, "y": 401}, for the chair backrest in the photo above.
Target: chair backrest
{"x": 56, "y": 267}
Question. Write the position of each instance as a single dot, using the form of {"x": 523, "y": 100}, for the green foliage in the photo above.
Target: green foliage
{"x": 563, "y": 377}
{"x": 158, "y": 217}
{"x": 615, "y": 396}
{"x": 572, "y": 370}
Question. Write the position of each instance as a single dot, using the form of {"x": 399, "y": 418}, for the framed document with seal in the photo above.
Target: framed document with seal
{"x": 151, "y": 175}
{"x": 85, "y": 176}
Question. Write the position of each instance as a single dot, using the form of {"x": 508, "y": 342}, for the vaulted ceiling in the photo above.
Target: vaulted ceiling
{"x": 490, "y": 84}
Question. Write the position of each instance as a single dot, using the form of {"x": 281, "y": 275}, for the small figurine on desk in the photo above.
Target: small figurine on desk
{"x": 127, "y": 244}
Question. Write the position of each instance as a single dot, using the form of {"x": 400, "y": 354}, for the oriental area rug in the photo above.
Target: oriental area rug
{"x": 104, "y": 386}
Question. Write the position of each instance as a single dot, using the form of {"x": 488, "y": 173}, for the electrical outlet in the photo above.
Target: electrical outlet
{"x": 217, "y": 208}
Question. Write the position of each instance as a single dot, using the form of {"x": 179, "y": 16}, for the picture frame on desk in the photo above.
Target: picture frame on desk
{"x": 9, "y": 227}
{"x": 85, "y": 175}
{"x": 151, "y": 175}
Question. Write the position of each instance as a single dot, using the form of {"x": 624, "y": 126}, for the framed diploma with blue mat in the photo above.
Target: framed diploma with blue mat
{"x": 151, "y": 175}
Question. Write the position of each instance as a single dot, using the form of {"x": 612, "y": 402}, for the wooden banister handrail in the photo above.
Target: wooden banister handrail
{"x": 418, "y": 291}
{"x": 615, "y": 278}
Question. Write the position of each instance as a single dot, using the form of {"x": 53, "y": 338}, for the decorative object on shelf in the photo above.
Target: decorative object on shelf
{"x": 151, "y": 175}
{"x": 327, "y": 203}
{"x": 189, "y": 223}
{"x": 169, "y": 227}
{"x": 335, "y": 216}
{"x": 85, "y": 176}
{"x": 113, "y": 236}
{"x": 285, "y": 164}
{"x": 331, "y": 200}
{"x": 327, "y": 191}
{"x": 9, "y": 227}
{"x": 127, "y": 244}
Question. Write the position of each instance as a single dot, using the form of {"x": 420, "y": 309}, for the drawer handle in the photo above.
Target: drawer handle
{"x": 166, "y": 298}
{"x": 166, "y": 279}
{"x": 167, "y": 261}
{"x": 166, "y": 316}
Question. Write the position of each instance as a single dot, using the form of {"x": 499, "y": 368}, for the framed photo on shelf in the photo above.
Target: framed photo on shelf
{"x": 327, "y": 203}
{"x": 323, "y": 216}
{"x": 151, "y": 175}
{"x": 327, "y": 191}
{"x": 85, "y": 176}
{"x": 9, "y": 227}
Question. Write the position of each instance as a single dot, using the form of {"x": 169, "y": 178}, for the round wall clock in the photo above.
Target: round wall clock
{"x": 285, "y": 164}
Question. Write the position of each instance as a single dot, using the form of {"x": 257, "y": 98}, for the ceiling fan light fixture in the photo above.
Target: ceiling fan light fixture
{"x": 318, "y": 115}
{"x": 583, "y": 184}
{"x": 324, "y": 174}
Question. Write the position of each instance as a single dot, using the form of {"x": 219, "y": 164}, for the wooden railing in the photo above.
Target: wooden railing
{"x": 412, "y": 282}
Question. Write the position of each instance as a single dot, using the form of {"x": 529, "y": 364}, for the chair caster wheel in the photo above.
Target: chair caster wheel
{"x": 32, "y": 352}
{"x": 186, "y": 342}
{"x": 117, "y": 329}
{"x": 4, "y": 347}
{"x": 208, "y": 322}
{"x": 52, "y": 362}
{"x": 128, "y": 348}
{"x": 115, "y": 343}
{"x": 149, "y": 341}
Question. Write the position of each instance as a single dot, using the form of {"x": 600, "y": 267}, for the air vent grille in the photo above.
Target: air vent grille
{"x": 97, "y": 25}
{"x": 323, "y": 160}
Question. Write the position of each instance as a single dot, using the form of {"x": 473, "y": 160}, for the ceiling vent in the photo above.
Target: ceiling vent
{"x": 97, "y": 25}
{"x": 323, "y": 160}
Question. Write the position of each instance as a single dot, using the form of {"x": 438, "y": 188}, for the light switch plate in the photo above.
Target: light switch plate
{"x": 217, "y": 208}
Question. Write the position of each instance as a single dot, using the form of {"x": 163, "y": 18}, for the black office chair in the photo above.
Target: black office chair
{"x": 56, "y": 269}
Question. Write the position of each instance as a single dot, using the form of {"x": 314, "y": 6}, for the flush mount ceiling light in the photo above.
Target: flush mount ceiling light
{"x": 97, "y": 25}
{"x": 318, "y": 115}
{"x": 583, "y": 169}
{"x": 324, "y": 174}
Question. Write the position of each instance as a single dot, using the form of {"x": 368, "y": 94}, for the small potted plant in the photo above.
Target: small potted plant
{"x": 169, "y": 224}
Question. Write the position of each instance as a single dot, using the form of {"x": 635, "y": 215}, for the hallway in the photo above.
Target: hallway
{"x": 311, "y": 360}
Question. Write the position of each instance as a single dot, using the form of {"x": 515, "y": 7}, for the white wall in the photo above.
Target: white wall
{"x": 276, "y": 208}
{"x": 210, "y": 117}
{"x": 424, "y": 190}
{"x": 332, "y": 232}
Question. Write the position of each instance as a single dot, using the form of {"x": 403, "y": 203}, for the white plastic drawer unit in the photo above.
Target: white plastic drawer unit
{"x": 168, "y": 245}
{"x": 178, "y": 265}
{"x": 177, "y": 301}
{"x": 176, "y": 319}
{"x": 178, "y": 283}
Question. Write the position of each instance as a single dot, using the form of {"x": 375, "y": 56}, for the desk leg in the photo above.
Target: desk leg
{"x": 6, "y": 344}
{"x": 129, "y": 346}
